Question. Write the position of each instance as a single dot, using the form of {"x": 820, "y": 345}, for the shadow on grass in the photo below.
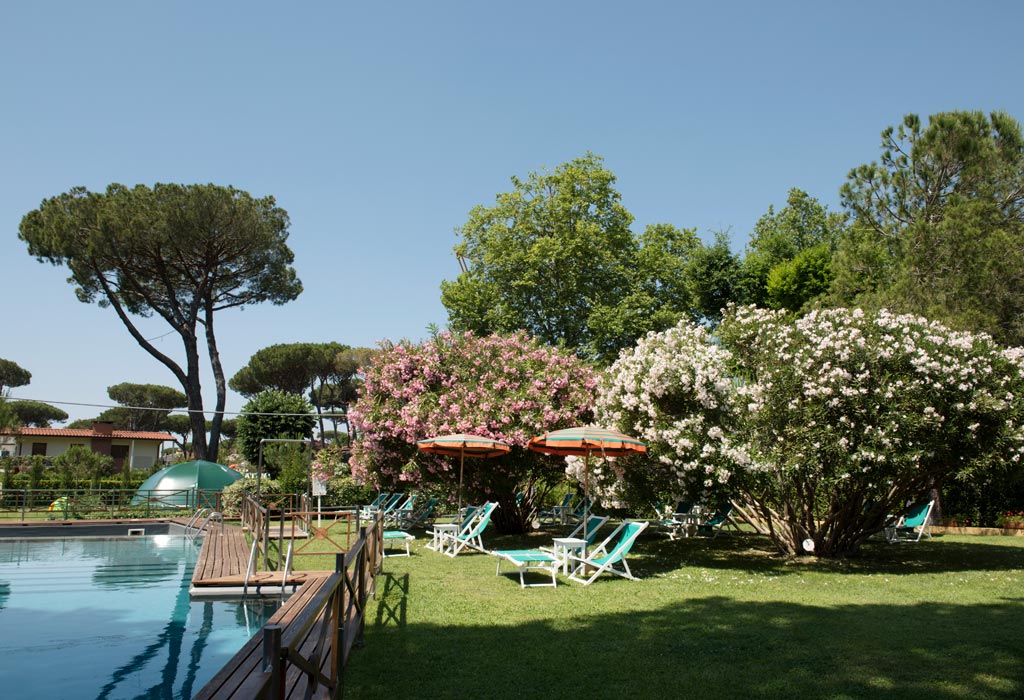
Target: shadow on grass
{"x": 749, "y": 553}
{"x": 392, "y": 600}
{"x": 707, "y": 648}
{"x": 752, "y": 553}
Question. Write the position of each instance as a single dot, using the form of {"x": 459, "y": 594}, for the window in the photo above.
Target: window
{"x": 38, "y": 448}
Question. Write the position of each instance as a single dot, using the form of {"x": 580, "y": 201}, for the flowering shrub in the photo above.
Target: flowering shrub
{"x": 328, "y": 462}
{"x": 674, "y": 392}
{"x": 825, "y": 423}
{"x": 508, "y": 388}
{"x": 1011, "y": 518}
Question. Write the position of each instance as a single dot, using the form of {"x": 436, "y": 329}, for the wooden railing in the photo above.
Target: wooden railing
{"x": 307, "y": 655}
{"x": 324, "y": 531}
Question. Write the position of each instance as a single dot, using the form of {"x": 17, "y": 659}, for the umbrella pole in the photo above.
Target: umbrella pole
{"x": 462, "y": 459}
{"x": 586, "y": 500}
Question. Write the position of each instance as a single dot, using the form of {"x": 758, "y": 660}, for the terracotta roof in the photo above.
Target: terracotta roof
{"x": 87, "y": 433}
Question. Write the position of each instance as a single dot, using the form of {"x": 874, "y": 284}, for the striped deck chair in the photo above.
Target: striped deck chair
{"x": 529, "y": 560}
{"x": 605, "y": 556}
{"x": 441, "y": 530}
{"x": 712, "y": 527}
{"x": 472, "y": 535}
{"x": 912, "y": 525}
{"x": 419, "y": 517}
{"x": 557, "y": 513}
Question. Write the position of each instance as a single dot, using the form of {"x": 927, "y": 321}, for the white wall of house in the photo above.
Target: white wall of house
{"x": 144, "y": 453}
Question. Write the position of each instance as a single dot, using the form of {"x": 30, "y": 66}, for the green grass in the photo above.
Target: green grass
{"x": 721, "y": 618}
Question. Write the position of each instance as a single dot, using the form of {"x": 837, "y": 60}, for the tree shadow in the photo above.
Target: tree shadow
{"x": 754, "y": 554}
{"x": 707, "y": 648}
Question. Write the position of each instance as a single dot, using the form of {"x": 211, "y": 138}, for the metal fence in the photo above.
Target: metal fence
{"x": 90, "y": 504}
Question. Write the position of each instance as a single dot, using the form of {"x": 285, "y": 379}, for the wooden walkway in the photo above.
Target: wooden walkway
{"x": 308, "y": 640}
{"x": 225, "y": 557}
{"x": 243, "y": 676}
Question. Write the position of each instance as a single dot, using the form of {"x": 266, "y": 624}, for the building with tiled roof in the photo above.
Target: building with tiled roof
{"x": 141, "y": 449}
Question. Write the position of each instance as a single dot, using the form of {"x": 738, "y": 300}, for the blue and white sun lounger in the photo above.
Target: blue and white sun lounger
{"x": 529, "y": 560}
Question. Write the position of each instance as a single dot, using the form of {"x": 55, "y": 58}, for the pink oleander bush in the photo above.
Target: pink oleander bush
{"x": 506, "y": 387}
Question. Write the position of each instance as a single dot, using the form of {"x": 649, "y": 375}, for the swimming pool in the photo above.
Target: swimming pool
{"x": 112, "y": 619}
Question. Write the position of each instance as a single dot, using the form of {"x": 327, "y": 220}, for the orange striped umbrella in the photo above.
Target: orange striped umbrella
{"x": 582, "y": 442}
{"x": 464, "y": 446}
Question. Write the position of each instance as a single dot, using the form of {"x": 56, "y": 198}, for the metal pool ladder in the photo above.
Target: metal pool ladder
{"x": 212, "y": 516}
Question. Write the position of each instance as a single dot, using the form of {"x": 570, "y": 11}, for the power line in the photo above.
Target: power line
{"x": 172, "y": 410}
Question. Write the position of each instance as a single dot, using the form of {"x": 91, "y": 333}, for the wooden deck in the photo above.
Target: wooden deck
{"x": 318, "y": 624}
{"x": 243, "y": 676}
{"x": 224, "y": 558}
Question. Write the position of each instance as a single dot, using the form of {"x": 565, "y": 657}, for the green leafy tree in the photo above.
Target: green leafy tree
{"x": 273, "y": 414}
{"x": 713, "y": 277}
{"x": 345, "y": 384}
{"x": 544, "y": 257}
{"x": 12, "y": 375}
{"x": 180, "y": 426}
{"x": 659, "y": 292}
{"x": 36, "y": 413}
{"x": 79, "y": 463}
{"x": 145, "y": 406}
{"x": 8, "y": 418}
{"x": 181, "y": 252}
{"x": 794, "y": 284}
{"x": 787, "y": 263}
{"x": 938, "y": 224}
{"x": 295, "y": 368}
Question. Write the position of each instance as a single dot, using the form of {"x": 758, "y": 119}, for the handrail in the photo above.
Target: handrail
{"x": 287, "y": 566}
{"x": 215, "y": 515}
{"x": 248, "y": 569}
{"x": 200, "y": 512}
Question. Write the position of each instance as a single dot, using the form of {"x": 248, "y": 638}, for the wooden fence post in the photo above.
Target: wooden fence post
{"x": 272, "y": 659}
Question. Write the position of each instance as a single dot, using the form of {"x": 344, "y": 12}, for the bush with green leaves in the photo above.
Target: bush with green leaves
{"x": 231, "y": 496}
{"x": 80, "y": 466}
{"x": 292, "y": 465}
{"x": 343, "y": 490}
{"x": 273, "y": 415}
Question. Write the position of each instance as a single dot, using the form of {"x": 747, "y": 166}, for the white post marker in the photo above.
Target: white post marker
{"x": 319, "y": 490}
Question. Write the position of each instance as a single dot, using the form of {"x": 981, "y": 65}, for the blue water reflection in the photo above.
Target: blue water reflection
{"x": 112, "y": 619}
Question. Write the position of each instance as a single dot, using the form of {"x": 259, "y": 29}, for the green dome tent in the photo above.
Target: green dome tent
{"x": 177, "y": 484}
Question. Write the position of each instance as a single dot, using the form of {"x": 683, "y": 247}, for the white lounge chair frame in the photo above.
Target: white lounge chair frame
{"x": 621, "y": 543}
{"x": 905, "y": 529}
{"x": 472, "y": 535}
{"x": 529, "y": 560}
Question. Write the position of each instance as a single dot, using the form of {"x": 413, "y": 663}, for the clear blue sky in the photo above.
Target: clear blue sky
{"x": 378, "y": 126}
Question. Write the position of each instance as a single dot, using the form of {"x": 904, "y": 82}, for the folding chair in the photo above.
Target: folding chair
{"x": 912, "y": 525}
{"x": 614, "y": 548}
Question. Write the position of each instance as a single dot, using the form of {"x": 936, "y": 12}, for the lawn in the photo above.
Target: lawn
{"x": 720, "y": 618}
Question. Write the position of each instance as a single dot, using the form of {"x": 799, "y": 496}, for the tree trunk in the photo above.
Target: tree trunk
{"x": 194, "y": 392}
{"x": 511, "y": 518}
{"x": 220, "y": 383}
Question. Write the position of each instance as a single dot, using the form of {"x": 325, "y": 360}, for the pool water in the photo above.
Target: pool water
{"x": 112, "y": 619}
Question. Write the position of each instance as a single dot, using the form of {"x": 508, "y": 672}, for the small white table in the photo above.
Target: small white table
{"x": 439, "y": 533}
{"x": 564, "y": 546}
